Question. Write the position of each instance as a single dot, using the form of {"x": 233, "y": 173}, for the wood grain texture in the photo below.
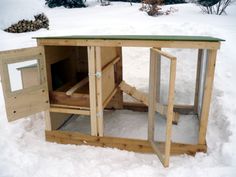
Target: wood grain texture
{"x": 135, "y": 145}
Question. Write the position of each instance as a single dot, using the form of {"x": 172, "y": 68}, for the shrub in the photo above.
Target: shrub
{"x": 65, "y": 3}
{"x": 217, "y": 7}
{"x": 40, "y": 21}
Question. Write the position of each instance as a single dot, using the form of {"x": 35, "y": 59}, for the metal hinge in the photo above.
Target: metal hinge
{"x": 97, "y": 74}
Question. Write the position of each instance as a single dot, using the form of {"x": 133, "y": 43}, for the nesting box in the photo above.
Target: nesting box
{"x": 82, "y": 75}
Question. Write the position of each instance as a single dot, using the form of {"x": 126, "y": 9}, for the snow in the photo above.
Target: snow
{"x": 25, "y": 153}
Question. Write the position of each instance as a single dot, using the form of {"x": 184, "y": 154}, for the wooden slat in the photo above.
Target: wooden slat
{"x": 181, "y": 109}
{"x": 70, "y": 111}
{"x": 105, "y": 103}
{"x": 77, "y": 86}
{"x": 110, "y": 64}
{"x": 135, "y": 145}
{"x": 68, "y": 106}
{"x": 152, "y": 94}
{"x": 165, "y": 54}
{"x": 92, "y": 90}
{"x": 143, "y": 98}
{"x": 210, "y": 70}
{"x": 131, "y": 43}
{"x": 117, "y": 101}
{"x": 196, "y": 96}
{"x": 76, "y": 99}
{"x": 170, "y": 111}
{"x": 100, "y": 89}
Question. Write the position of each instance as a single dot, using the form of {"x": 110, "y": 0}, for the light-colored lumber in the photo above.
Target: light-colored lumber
{"x": 76, "y": 99}
{"x": 48, "y": 125}
{"x": 181, "y": 109}
{"x": 170, "y": 111}
{"x": 157, "y": 150}
{"x": 70, "y": 111}
{"x": 55, "y": 54}
{"x": 107, "y": 82}
{"x": 164, "y": 157}
{"x": 110, "y": 64}
{"x": 27, "y": 101}
{"x": 143, "y": 98}
{"x": 105, "y": 103}
{"x": 165, "y": 54}
{"x": 77, "y": 86}
{"x": 130, "y": 43}
{"x": 107, "y": 54}
{"x": 69, "y": 106}
{"x": 197, "y": 85}
{"x": 117, "y": 100}
{"x": 92, "y": 90}
{"x": 209, "y": 79}
{"x": 152, "y": 94}
{"x": 158, "y": 73}
{"x": 102, "y": 88}
{"x": 135, "y": 145}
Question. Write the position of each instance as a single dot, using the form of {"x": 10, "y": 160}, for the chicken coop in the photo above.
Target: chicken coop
{"x": 82, "y": 75}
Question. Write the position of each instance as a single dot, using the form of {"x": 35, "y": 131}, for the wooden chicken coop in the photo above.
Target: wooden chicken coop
{"x": 82, "y": 75}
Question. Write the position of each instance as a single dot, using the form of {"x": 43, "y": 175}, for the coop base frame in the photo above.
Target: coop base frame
{"x": 134, "y": 145}
{"x": 129, "y": 144}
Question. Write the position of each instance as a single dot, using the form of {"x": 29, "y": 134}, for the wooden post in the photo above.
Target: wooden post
{"x": 152, "y": 93}
{"x": 170, "y": 111}
{"x": 92, "y": 90}
{"x": 209, "y": 78}
{"x": 164, "y": 158}
{"x": 99, "y": 91}
{"x": 197, "y": 85}
{"x": 158, "y": 72}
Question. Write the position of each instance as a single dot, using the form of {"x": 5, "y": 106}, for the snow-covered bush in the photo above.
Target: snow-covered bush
{"x": 217, "y": 7}
{"x": 65, "y": 3}
{"x": 12, "y": 11}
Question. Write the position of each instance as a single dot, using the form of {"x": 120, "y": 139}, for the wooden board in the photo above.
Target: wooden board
{"x": 155, "y": 54}
{"x": 55, "y": 54}
{"x": 135, "y": 145}
{"x": 25, "y": 101}
{"x": 77, "y": 99}
{"x": 138, "y": 37}
{"x": 209, "y": 79}
{"x": 92, "y": 90}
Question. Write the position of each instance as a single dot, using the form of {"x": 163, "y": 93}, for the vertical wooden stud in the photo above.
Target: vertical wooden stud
{"x": 92, "y": 90}
{"x": 209, "y": 79}
{"x": 99, "y": 91}
{"x": 158, "y": 72}
{"x": 152, "y": 94}
{"x": 197, "y": 85}
{"x": 170, "y": 111}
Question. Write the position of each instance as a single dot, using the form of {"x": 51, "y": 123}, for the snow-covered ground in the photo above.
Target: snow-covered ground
{"x": 24, "y": 152}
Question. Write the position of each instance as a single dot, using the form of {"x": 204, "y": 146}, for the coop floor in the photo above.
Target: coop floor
{"x": 129, "y": 124}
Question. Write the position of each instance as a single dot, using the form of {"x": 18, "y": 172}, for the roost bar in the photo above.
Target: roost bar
{"x": 82, "y": 75}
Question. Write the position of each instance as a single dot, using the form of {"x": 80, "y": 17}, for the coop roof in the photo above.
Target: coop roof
{"x": 137, "y": 37}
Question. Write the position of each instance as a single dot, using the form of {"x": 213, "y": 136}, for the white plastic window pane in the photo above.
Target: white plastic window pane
{"x": 23, "y": 74}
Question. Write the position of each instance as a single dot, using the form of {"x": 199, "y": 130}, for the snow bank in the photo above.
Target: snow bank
{"x": 11, "y": 11}
{"x": 24, "y": 152}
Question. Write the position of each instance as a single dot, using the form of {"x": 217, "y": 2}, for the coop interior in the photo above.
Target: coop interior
{"x": 68, "y": 67}
{"x": 67, "y": 72}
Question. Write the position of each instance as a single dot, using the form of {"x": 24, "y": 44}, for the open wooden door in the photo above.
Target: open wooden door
{"x": 23, "y": 100}
{"x": 163, "y": 152}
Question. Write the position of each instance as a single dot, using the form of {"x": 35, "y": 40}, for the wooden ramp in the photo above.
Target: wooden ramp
{"x": 143, "y": 98}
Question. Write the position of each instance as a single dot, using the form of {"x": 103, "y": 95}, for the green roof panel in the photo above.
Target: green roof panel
{"x": 136, "y": 37}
